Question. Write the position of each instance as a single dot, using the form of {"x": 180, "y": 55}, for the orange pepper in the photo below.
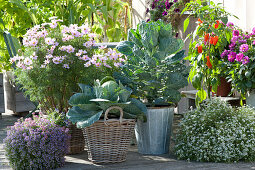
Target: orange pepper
{"x": 211, "y": 40}
{"x": 199, "y": 49}
{"x": 208, "y": 62}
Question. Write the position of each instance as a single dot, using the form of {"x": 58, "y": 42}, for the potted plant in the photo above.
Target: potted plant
{"x": 213, "y": 35}
{"x": 107, "y": 140}
{"x": 154, "y": 70}
{"x": 239, "y": 57}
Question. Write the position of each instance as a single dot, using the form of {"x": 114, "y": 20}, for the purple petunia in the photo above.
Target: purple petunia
{"x": 230, "y": 24}
{"x": 232, "y": 46}
{"x": 175, "y": 0}
{"x": 153, "y": 5}
{"x": 253, "y": 30}
{"x": 239, "y": 57}
{"x": 231, "y": 56}
{"x": 245, "y": 60}
{"x": 164, "y": 13}
{"x": 177, "y": 10}
{"x": 235, "y": 33}
{"x": 244, "y": 48}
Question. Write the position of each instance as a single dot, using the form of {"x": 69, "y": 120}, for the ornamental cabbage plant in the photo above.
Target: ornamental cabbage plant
{"x": 56, "y": 58}
{"x": 154, "y": 69}
{"x": 36, "y": 144}
{"x": 216, "y": 132}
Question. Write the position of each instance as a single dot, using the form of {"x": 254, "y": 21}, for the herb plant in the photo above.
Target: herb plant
{"x": 154, "y": 68}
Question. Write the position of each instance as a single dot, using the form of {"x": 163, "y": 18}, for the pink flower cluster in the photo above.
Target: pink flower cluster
{"x": 59, "y": 45}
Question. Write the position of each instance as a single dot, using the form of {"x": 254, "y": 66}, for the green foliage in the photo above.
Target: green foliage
{"x": 154, "y": 69}
{"x": 59, "y": 119}
{"x": 216, "y": 132}
{"x": 89, "y": 105}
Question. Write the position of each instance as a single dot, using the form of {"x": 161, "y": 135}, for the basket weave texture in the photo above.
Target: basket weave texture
{"x": 108, "y": 140}
{"x": 77, "y": 142}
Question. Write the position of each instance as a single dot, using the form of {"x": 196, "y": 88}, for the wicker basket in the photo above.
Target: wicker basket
{"x": 77, "y": 142}
{"x": 108, "y": 140}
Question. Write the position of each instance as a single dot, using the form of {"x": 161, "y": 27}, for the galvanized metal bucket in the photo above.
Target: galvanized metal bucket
{"x": 153, "y": 136}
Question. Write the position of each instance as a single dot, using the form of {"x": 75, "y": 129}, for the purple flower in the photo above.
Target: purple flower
{"x": 253, "y": 43}
{"x": 229, "y": 24}
{"x": 168, "y": 5}
{"x": 148, "y": 20}
{"x": 244, "y": 48}
{"x": 177, "y": 10}
{"x": 253, "y": 30}
{"x": 153, "y": 6}
{"x": 234, "y": 39}
{"x": 175, "y": 0}
{"x": 147, "y": 10}
{"x": 224, "y": 53}
{"x": 232, "y": 46}
{"x": 245, "y": 60}
{"x": 235, "y": 33}
{"x": 239, "y": 57}
{"x": 164, "y": 13}
{"x": 231, "y": 56}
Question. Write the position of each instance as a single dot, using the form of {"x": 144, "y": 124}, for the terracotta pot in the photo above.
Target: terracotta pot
{"x": 224, "y": 88}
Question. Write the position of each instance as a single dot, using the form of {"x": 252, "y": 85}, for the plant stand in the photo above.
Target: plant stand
{"x": 108, "y": 140}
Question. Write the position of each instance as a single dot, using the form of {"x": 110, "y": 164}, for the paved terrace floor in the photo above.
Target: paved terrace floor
{"x": 135, "y": 161}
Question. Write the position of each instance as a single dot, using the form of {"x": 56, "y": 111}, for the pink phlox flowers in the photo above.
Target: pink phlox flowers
{"x": 49, "y": 56}
{"x": 57, "y": 60}
{"x": 98, "y": 64}
{"x": 85, "y": 58}
{"x": 33, "y": 42}
{"x": 92, "y": 35}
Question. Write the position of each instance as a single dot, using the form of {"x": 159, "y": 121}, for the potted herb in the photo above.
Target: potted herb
{"x": 155, "y": 72}
{"x": 107, "y": 140}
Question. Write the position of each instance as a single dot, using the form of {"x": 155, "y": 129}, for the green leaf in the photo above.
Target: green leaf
{"x": 186, "y": 24}
{"x": 175, "y": 57}
{"x": 172, "y": 95}
{"x": 80, "y": 98}
{"x": 125, "y": 47}
{"x": 176, "y": 81}
{"x": 83, "y": 118}
{"x": 200, "y": 96}
{"x": 224, "y": 20}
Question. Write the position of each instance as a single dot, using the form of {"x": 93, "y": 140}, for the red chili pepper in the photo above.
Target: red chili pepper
{"x": 200, "y": 49}
{"x": 208, "y": 62}
{"x": 215, "y": 40}
{"x": 206, "y": 38}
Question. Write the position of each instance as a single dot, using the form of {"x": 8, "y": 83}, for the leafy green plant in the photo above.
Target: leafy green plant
{"x": 207, "y": 42}
{"x": 216, "y": 132}
{"x": 154, "y": 69}
{"x": 89, "y": 105}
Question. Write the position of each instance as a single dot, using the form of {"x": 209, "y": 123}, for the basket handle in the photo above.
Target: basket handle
{"x": 108, "y": 110}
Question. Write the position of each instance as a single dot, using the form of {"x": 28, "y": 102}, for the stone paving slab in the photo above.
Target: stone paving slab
{"x": 135, "y": 161}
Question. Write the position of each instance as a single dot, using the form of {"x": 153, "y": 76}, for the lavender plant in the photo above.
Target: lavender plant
{"x": 216, "y": 132}
{"x": 56, "y": 58}
{"x": 36, "y": 144}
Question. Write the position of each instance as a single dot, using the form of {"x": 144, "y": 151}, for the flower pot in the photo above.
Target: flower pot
{"x": 108, "y": 140}
{"x": 153, "y": 136}
{"x": 224, "y": 88}
{"x": 250, "y": 98}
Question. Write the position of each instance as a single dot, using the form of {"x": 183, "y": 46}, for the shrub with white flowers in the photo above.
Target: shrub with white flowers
{"x": 56, "y": 58}
{"x": 216, "y": 132}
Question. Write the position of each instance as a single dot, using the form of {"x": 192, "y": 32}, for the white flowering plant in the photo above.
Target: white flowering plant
{"x": 56, "y": 57}
{"x": 216, "y": 132}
